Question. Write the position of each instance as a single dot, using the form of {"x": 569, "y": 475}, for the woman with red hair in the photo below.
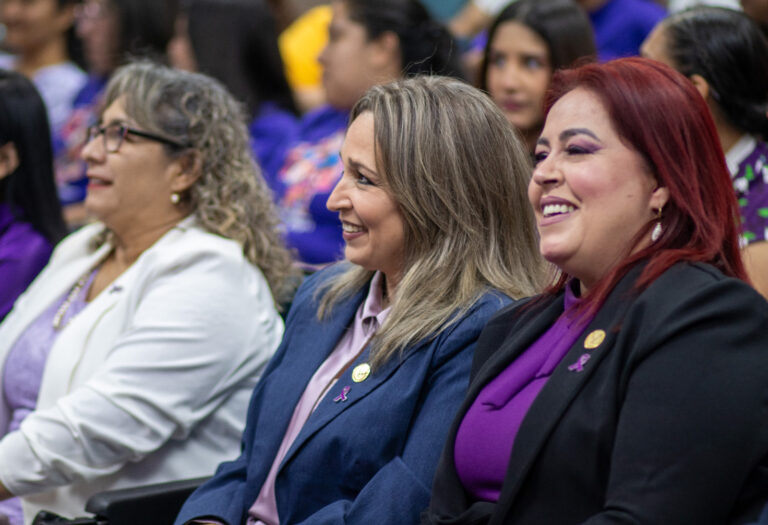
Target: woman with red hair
{"x": 635, "y": 389}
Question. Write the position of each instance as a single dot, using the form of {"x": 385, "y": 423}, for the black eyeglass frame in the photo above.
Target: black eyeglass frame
{"x": 95, "y": 130}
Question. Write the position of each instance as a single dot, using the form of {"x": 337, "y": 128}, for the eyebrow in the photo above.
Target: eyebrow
{"x": 568, "y": 133}
{"x": 112, "y": 122}
{"x": 359, "y": 165}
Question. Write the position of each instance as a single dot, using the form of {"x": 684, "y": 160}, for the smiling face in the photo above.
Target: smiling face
{"x": 374, "y": 230}
{"x": 591, "y": 194}
{"x": 31, "y": 25}
{"x": 130, "y": 189}
{"x": 518, "y": 74}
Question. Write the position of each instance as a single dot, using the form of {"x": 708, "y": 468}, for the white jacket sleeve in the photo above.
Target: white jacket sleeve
{"x": 198, "y": 329}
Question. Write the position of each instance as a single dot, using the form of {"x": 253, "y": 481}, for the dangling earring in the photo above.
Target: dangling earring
{"x": 657, "y": 229}
{"x": 175, "y": 198}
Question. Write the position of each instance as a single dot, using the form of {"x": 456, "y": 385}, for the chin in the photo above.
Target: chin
{"x": 553, "y": 254}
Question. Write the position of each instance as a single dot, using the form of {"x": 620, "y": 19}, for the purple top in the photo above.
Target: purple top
{"x": 487, "y": 433}
{"x": 748, "y": 163}
{"x": 23, "y": 372}
{"x": 23, "y": 253}
{"x": 302, "y": 182}
{"x": 621, "y": 26}
{"x": 68, "y": 141}
{"x": 272, "y": 132}
{"x": 369, "y": 317}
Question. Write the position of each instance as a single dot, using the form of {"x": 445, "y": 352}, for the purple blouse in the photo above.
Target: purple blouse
{"x": 23, "y": 372}
{"x": 23, "y": 253}
{"x": 487, "y": 433}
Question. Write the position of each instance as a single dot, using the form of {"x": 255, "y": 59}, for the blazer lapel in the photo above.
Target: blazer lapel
{"x": 566, "y": 381}
{"x": 344, "y": 394}
{"x": 531, "y": 325}
{"x": 319, "y": 339}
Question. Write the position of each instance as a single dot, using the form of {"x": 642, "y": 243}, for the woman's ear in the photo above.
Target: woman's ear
{"x": 701, "y": 85}
{"x": 386, "y": 51}
{"x": 659, "y": 198}
{"x": 9, "y": 159}
{"x": 188, "y": 168}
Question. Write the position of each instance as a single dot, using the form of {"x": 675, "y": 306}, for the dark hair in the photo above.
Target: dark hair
{"x": 145, "y": 28}
{"x": 74, "y": 46}
{"x": 562, "y": 24}
{"x": 30, "y": 190}
{"x": 426, "y": 47}
{"x": 658, "y": 112}
{"x": 730, "y": 52}
{"x": 235, "y": 41}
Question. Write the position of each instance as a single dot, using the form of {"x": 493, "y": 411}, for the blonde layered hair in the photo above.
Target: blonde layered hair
{"x": 230, "y": 198}
{"x": 459, "y": 174}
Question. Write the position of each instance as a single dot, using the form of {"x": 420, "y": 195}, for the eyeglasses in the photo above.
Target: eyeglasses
{"x": 114, "y": 134}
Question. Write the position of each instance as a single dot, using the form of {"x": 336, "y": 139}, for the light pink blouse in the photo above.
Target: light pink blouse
{"x": 368, "y": 319}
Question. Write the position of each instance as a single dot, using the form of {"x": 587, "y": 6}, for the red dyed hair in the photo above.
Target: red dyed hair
{"x": 658, "y": 113}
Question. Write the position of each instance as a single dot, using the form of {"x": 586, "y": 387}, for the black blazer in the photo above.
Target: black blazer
{"x": 666, "y": 422}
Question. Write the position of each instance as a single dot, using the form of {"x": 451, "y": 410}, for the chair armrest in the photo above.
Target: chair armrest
{"x": 149, "y": 505}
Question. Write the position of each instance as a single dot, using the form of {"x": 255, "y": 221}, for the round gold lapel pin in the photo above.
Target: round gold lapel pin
{"x": 361, "y": 372}
{"x": 594, "y": 339}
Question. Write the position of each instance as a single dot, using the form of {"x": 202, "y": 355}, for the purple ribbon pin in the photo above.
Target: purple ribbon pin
{"x": 578, "y": 366}
{"x": 343, "y": 395}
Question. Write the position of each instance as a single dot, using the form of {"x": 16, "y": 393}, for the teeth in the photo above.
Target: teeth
{"x": 350, "y": 228}
{"x": 556, "y": 209}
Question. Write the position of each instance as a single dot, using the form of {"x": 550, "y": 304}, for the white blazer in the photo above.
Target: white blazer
{"x": 151, "y": 381}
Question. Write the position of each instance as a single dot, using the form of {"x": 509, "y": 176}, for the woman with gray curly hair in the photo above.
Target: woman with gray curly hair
{"x": 131, "y": 358}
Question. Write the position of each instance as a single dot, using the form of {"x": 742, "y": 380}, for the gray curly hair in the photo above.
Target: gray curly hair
{"x": 230, "y": 198}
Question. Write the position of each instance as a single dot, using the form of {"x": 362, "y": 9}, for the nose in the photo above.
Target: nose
{"x": 93, "y": 150}
{"x": 338, "y": 200}
{"x": 546, "y": 173}
{"x": 510, "y": 76}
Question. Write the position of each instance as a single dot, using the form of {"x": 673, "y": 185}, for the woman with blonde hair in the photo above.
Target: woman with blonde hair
{"x": 130, "y": 359}
{"x": 346, "y": 423}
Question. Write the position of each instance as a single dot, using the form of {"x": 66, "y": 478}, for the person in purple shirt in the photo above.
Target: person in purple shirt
{"x": 634, "y": 389}
{"x": 30, "y": 215}
{"x": 725, "y": 55}
{"x": 370, "y": 42}
{"x": 111, "y": 32}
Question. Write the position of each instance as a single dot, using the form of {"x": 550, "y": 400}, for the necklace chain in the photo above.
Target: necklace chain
{"x": 58, "y": 319}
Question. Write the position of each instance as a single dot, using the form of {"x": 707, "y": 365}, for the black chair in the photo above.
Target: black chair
{"x": 148, "y": 505}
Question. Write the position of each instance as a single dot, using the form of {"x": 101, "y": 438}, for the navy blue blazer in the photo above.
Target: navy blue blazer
{"x": 369, "y": 459}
